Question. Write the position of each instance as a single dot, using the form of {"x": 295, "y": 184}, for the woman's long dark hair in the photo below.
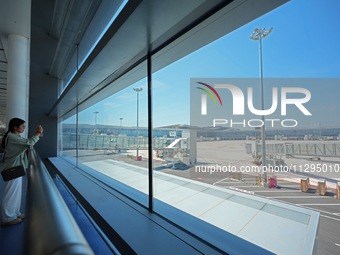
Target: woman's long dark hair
{"x": 13, "y": 123}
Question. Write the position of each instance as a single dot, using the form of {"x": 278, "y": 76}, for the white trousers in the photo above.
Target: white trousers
{"x": 11, "y": 202}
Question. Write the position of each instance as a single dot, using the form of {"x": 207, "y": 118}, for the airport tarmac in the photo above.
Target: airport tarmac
{"x": 288, "y": 190}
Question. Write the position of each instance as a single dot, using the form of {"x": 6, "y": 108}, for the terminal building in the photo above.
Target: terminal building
{"x": 93, "y": 72}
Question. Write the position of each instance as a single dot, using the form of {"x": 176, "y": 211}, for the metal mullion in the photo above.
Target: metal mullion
{"x": 150, "y": 145}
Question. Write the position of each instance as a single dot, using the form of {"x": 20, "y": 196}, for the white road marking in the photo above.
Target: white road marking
{"x": 273, "y": 190}
{"x": 317, "y": 204}
{"x": 337, "y": 244}
{"x": 329, "y": 217}
{"x": 321, "y": 210}
{"x": 220, "y": 181}
{"x": 304, "y": 197}
{"x": 244, "y": 186}
{"x": 242, "y": 190}
{"x": 230, "y": 182}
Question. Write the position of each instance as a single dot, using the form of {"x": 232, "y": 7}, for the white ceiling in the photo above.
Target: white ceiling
{"x": 15, "y": 18}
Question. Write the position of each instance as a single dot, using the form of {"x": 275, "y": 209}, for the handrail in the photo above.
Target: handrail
{"x": 51, "y": 228}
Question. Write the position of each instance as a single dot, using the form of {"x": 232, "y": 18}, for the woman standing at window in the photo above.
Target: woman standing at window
{"x": 15, "y": 147}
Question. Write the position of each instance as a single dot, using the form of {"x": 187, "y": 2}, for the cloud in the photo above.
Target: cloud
{"x": 159, "y": 85}
{"x": 127, "y": 96}
{"x": 111, "y": 104}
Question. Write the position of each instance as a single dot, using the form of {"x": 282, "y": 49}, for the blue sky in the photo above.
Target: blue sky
{"x": 303, "y": 44}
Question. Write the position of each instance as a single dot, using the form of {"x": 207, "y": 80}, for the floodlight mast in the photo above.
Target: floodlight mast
{"x": 257, "y": 35}
{"x": 137, "y": 90}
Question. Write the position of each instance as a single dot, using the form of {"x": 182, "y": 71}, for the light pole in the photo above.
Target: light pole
{"x": 95, "y": 118}
{"x": 137, "y": 90}
{"x": 257, "y": 35}
{"x": 95, "y": 122}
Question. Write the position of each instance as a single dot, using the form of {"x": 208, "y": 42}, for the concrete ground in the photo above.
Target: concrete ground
{"x": 288, "y": 190}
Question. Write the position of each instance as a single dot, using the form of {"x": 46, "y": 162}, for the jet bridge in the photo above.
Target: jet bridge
{"x": 177, "y": 151}
{"x": 305, "y": 149}
{"x": 275, "y": 150}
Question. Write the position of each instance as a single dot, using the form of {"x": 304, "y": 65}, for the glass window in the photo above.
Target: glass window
{"x": 103, "y": 18}
{"x": 198, "y": 161}
{"x": 112, "y": 138}
{"x": 68, "y": 137}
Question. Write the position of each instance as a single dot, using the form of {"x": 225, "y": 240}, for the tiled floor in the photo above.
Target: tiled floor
{"x": 12, "y": 237}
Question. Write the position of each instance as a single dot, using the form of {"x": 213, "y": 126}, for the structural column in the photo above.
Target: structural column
{"x": 17, "y": 77}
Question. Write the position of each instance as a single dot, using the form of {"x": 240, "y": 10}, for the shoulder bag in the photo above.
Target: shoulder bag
{"x": 12, "y": 172}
